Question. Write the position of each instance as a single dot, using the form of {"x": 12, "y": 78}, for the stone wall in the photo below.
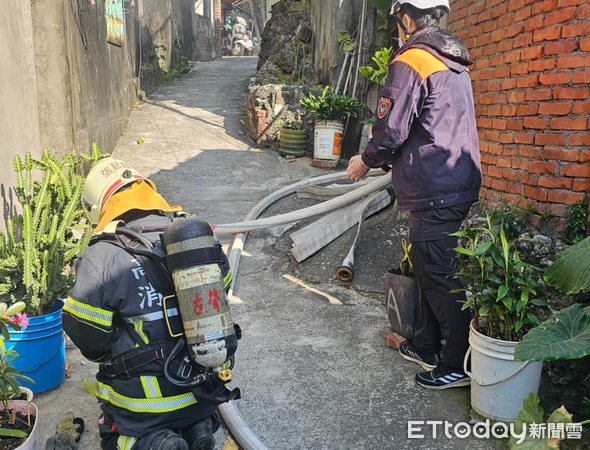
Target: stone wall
{"x": 268, "y": 105}
{"x": 532, "y": 96}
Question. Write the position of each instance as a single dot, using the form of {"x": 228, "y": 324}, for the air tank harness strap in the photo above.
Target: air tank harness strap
{"x": 134, "y": 363}
{"x": 195, "y": 257}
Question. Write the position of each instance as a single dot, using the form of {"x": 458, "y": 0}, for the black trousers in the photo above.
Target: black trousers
{"x": 439, "y": 313}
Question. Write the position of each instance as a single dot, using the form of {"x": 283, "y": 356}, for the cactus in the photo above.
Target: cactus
{"x": 38, "y": 251}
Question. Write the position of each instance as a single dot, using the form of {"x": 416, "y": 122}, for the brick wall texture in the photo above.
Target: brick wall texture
{"x": 531, "y": 82}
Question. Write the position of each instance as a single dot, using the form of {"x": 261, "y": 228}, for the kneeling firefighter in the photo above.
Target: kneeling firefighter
{"x": 149, "y": 305}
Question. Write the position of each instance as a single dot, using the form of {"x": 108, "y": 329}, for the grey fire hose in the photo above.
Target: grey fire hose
{"x": 229, "y": 411}
{"x": 345, "y": 272}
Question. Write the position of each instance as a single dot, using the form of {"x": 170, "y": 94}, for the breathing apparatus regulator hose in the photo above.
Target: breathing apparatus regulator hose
{"x": 175, "y": 351}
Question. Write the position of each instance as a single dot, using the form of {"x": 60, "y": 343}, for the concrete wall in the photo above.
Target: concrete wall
{"x": 19, "y": 129}
{"x": 86, "y": 86}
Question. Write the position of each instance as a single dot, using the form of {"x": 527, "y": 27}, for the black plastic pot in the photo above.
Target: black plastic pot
{"x": 400, "y": 295}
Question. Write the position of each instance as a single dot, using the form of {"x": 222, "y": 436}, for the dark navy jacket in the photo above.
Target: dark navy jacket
{"x": 425, "y": 124}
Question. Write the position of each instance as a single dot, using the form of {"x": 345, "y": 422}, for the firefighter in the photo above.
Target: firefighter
{"x": 115, "y": 315}
{"x": 426, "y": 129}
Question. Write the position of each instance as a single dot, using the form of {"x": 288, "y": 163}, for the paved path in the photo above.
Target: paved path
{"x": 313, "y": 376}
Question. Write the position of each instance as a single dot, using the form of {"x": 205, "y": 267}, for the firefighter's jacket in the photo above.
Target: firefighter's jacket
{"x": 425, "y": 124}
{"x": 112, "y": 294}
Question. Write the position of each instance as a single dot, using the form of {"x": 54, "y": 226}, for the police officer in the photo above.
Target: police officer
{"x": 426, "y": 129}
{"x": 115, "y": 315}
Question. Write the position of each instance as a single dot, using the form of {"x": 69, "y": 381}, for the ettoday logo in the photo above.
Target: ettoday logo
{"x": 499, "y": 430}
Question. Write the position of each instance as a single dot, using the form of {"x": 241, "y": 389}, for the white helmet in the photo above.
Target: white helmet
{"x": 420, "y": 4}
{"x": 108, "y": 176}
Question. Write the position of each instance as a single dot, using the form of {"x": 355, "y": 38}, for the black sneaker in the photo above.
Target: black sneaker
{"x": 443, "y": 377}
{"x": 408, "y": 352}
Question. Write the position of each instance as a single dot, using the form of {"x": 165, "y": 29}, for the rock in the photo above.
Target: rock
{"x": 542, "y": 246}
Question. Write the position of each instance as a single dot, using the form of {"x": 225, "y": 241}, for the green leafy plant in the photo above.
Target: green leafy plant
{"x": 346, "y": 41}
{"x": 330, "y": 106}
{"x": 382, "y": 5}
{"x": 158, "y": 66}
{"x": 291, "y": 124}
{"x": 378, "y": 74}
{"x": 9, "y": 384}
{"x": 577, "y": 222}
{"x": 531, "y": 414}
{"x": 564, "y": 337}
{"x": 570, "y": 273}
{"x": 502, "y": 289}
{"x": 37, "y": 252}
{"x": 6, "y": 320}
{"x": 406, "y": 266}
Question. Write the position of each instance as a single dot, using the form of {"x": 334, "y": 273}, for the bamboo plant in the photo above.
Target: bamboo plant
{"x": 41, "y": 243}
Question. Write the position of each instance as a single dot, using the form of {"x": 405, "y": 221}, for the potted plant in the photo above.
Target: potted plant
{"x": 401, "y": 295}
{"x": 331, "y": 111}
{"x": 18, "y": 427}
{"x": 563, "y": 337}
{"x": 293, "y": 137}
{"x": 503, "y": 291}
{"x": 37, "y": 256}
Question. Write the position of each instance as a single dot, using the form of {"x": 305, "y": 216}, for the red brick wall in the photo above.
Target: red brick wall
{"x": 531, "y": 82}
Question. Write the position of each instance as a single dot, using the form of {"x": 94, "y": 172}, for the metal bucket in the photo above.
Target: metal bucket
{"x": 328, "y": 140}
{"x": 401, "y": 303}
{"x": 500, "y": 384}
{"x": 292, "y": 142}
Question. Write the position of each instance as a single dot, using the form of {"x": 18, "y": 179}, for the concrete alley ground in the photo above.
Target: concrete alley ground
{"x": 313, "y": 376}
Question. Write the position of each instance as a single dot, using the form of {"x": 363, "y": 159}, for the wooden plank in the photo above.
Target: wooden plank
{"x": 316, "y": 236}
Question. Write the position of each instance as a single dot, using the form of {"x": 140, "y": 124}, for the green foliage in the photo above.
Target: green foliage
{"x": 532, "y": 413}
{"x": 382, "y": 5}
{"x": 571, "y": 272}
{"x": 346, "y": 41}
{"x": 330, "y": 106}
{"x": 8, "y": 433}
{"x": 291, "y": 124}
{"x": 381, "y": 60}
{"x": 158, "y": 67}
{"x": 502, "y": 289}
{"x": 6, "y": 322}
{"x": 577, "y": 222}
{"x": 9, "y": 378}
{"x": 406, "y": 266}
{"x": 38, "y": 250}
{"x": 567, "y": 336}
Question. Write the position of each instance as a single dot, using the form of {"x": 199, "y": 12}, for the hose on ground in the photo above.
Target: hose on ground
{"x": 229, "y": 411}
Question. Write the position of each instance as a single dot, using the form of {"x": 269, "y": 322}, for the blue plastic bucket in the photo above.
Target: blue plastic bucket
{"x": 42, "y": 351}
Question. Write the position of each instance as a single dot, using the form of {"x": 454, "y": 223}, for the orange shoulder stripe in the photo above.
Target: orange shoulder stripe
{"x": 422, "y": 61}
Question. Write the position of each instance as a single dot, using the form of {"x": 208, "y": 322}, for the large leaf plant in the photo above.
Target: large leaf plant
{"x": 570, "y": 273}
{"x": 330, "y": 106}
{"x": 41, "y": 243}
{"x": 501, "y": 288}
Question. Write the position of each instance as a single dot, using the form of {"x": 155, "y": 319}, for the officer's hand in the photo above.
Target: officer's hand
{"x": 357, "y": 168}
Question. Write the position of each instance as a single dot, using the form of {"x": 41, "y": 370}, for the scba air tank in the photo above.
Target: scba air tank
{"x": 196, "y": 265}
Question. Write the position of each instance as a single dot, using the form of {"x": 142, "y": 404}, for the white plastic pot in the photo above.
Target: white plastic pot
{"x": 499, "y": 383}
{"x": 328, "y": 140}
{"x": 23, "y": 407}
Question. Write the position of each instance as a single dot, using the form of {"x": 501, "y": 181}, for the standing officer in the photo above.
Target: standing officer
{"x": 116, "y": 316}
{"x": 426, "y": 129}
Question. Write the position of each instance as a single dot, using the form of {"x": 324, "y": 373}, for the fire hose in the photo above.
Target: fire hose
{"x": 229, "y": 411}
